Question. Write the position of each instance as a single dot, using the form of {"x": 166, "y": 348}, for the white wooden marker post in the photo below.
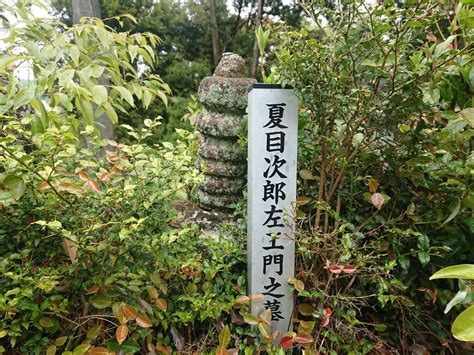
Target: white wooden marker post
{"x": 272, "y": 147}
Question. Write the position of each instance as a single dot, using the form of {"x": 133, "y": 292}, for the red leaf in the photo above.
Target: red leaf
{"x": 348, "y": 269}
{"x": 286, "y": 342}
{"x": 161, "y": 304}
{"x": 43, "y": 186}
{"x": 145, "y": 305}
{"x": 162, "y": 348}
{"x": 257, "y": 297}
{"x": 121, "y": 333}
{"x": 84, "y": 176}
{"x": 377, "y": 200}
{"x": 335, "y": 269}
{"x": 94, "y": 185}
{"x": 303, "y": 338}
{"x": 242, "y": 299}
{"x": 431, "y": 37}
{"x": 99, "y": 351}
{"x": 327, "y": 317}
{"x": 91, "y": 290}
{"x": 129, "y": 312}
{"x": 236, "y": 318}
{"x": 143, "y": 321}
{"x": 105, "y": 176}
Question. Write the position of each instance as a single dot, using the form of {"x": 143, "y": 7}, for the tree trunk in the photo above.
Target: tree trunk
{"x": 256, "y": 53}
{"x": 216, "y": 44}
{"x": 85, "y": 8}
{"x": 91, "y": 8}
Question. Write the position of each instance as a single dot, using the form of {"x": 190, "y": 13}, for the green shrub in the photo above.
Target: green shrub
{"x": 386, "y": 167}
{"x": 89, "y": 257}
{"x": 82, "y": 237}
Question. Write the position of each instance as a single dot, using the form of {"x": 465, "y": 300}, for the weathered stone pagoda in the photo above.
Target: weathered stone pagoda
{"x": 221, "y": 159}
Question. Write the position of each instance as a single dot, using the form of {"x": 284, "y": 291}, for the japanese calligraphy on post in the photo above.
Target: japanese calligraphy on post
{"x": 272, "y": 147}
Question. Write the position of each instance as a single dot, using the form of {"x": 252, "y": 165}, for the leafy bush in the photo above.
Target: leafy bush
{"x": 84, "y": 239}
{"x": 90, "y": 260}
{"x": 385, "y": 165}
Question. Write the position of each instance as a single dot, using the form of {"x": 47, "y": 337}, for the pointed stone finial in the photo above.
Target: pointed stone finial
{"x": 231, "y": 65}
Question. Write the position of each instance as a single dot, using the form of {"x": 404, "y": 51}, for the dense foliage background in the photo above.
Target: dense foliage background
{"x": 94, "y": 258}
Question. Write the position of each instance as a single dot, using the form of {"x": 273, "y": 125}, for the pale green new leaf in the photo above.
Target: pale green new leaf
{"x": 65, "y": 77}
{"x": 146, "y": 57}
{"x": 262, "y": 39}
{"x": 39, "y": 108}
{"x": 458, "y": 298}
{"x": 99, "y": 93}
{"x": 75, "y": 53}
{"x": 125, "y": 94}
{"x": 147, "y": 97}
{"x": 443, "y": 47}
{"x": 103, "y": 35}
{"x": 133, "y": 52}
{"x": 111, "y": 114}
{"x": 86, "y": 110}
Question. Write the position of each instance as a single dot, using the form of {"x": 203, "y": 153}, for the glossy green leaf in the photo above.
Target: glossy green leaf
{"x": 81, "y": 349}
{"x": 130, "y": 346}
{"x": 46, "y": 322}
{"x": 60, "y": 341}
{"x": 463, "y": 326}
{"x": 462, "y": 271}
{"x": 93, "y": 332}
{"x": 100, "y": 301}
{"x": 51, "y": 350}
